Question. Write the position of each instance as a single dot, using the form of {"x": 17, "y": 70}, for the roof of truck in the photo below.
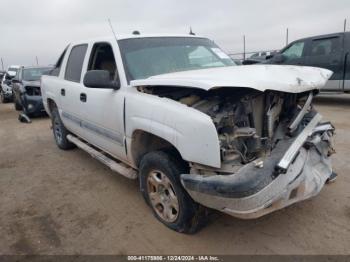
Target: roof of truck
{"x": 319, "y": 36}
{"x": 34, "y": 67}
{"x": 129, "y": 36}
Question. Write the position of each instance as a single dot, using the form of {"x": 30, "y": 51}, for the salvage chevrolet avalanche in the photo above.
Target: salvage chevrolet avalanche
{"x": 196, "y": 130}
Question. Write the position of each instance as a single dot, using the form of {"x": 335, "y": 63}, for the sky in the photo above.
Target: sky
{"x": 43, "y": 28}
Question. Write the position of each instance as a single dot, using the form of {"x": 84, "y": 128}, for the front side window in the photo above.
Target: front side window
{"x": 294, "y": 51}
{"x": 145, "y": 57}
{"x": 75, "y": 63}
{"x": 102, "y": 58}
{"x": 33, "y": 74}
{"x": 325, "y": 46}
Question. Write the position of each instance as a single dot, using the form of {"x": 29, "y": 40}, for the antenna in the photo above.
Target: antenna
{"x": 110, "y": 24}
{"x": 345, "y": 25}
{"x": 191, "y": 32}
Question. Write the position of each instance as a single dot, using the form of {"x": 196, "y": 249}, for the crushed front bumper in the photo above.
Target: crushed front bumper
{"x": 296, "y": 170}
{"x": 32, "y": 104}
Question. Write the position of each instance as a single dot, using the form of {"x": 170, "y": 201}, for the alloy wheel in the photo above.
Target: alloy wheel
{"x": 162, "y": 196}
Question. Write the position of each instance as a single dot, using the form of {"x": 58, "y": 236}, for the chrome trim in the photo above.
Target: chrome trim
{"x": 292, "y": 151}
{"x": 323, "y": 127}
{"x": 113, "y": 164}
{"x": 301, "y": 114}
{"x": 115, "y": 137}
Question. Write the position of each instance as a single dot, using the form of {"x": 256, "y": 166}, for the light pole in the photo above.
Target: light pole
{"x": 243, "y": 47}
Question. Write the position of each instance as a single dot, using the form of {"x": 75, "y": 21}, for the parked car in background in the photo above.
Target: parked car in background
{"x": 237, "y": 61}
{"x": 194, "y": 128}
{"x": 6, "y": 84}
{"x": 2, "y": 73}
{"x": 258, "y": 57}
{"x": 329, "y": 51}
{"x": 26, "y": 89}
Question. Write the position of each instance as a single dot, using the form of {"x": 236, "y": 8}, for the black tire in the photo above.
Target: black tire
{"x": 60, "y": 132}
{"x": 190, "y": 216}
{"x": 18, "y": 106}
{"x": 2, "y": 97}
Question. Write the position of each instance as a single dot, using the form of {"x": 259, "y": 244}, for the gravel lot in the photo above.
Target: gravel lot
{"x": 57, "y": 202}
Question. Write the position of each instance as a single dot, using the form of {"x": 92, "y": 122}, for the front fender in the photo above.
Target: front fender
{"x": 190, "y": 131}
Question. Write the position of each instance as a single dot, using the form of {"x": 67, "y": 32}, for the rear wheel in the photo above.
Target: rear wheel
{"x": 161, "y": 187}
{"x": 60, "y": 132}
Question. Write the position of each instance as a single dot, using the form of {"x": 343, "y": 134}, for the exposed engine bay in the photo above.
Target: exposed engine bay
{"x": 249, "y": 123}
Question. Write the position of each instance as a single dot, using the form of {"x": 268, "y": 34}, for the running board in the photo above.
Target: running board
{"x": 118, "y": 167}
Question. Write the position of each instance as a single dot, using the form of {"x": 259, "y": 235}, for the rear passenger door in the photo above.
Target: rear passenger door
{"x": 327, "y": 52}
{"x": 71, "y": 89}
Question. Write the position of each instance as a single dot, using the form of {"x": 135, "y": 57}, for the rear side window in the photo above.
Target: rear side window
{"x": 325, "y": 46}
{"x": 75, "y": 63}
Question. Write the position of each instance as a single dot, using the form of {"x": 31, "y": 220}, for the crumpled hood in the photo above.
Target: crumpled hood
{"x": 32, "y": 83}
{"x": 285, "y": 78}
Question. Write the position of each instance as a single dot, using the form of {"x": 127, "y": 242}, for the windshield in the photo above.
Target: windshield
{"x": 145, "y": 57}
{"x": 34, "y": 74}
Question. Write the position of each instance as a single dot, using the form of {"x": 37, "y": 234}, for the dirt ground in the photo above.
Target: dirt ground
{"x": 64, "y": 202}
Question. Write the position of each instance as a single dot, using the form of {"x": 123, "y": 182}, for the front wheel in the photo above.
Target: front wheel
{"x": 161, "y": 187}
{"x": 60, "y": 132}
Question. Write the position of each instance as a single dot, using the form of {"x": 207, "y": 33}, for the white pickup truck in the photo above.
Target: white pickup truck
{"x": 197, "y": 131}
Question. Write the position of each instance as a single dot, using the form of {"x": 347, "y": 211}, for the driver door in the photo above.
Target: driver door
{"x": 103, "y": 107}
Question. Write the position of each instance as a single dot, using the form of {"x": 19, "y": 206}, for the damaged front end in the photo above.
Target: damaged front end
{"x": 274, "y": 149}
{"x": 31, "y": 100}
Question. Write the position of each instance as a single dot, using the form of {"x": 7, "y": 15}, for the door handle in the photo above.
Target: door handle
{"x": 63, "y": 92}
{"x": 83, "y": 97}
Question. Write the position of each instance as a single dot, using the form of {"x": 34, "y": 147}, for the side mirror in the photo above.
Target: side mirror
{"x": 278, "y": 58}
{"x": 99, "y": 79}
